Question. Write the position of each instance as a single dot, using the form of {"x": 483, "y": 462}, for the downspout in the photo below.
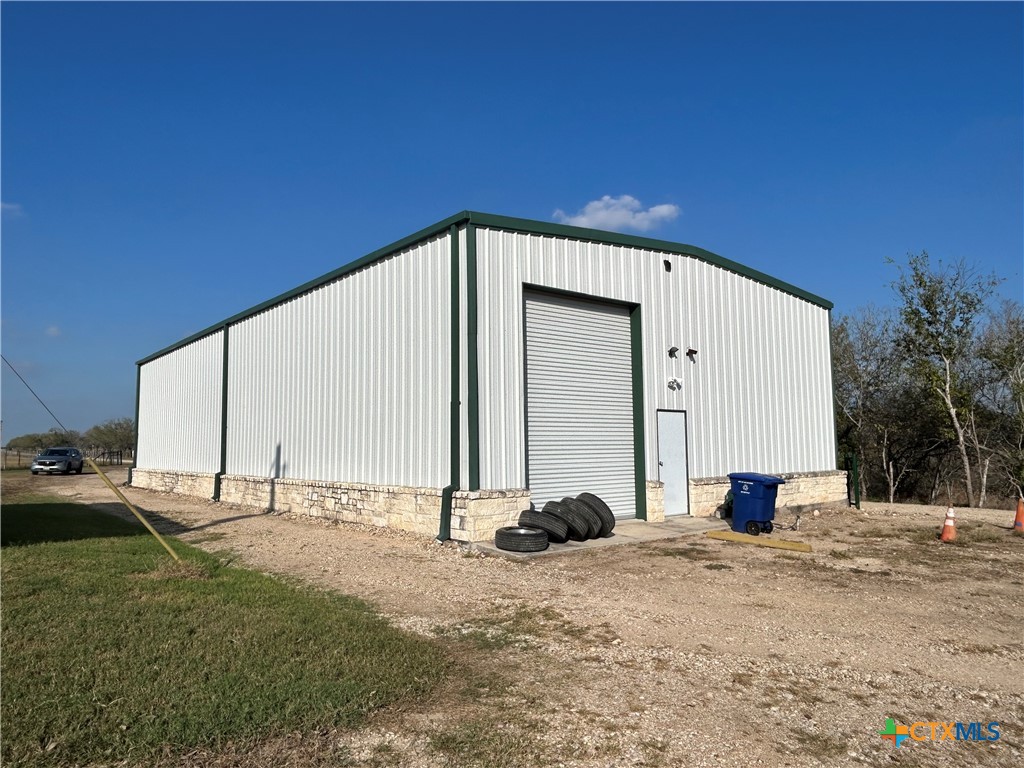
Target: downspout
{"x": 223, "y": 420}
{"x": 444, "y": 532}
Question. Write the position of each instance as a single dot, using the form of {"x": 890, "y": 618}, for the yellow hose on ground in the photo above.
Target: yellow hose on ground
{"x": 133, "y": 510}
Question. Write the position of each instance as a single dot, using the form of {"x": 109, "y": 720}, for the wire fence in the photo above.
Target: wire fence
{"x": 12, "y": 459}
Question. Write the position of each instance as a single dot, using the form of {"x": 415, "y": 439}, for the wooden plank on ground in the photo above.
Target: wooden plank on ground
{"x": 761, "y": 541}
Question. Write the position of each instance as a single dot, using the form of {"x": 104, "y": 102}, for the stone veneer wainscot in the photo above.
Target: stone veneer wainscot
{"x": 476, "y": 515}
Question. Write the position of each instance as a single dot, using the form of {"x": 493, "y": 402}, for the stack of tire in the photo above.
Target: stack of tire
{"x": 585, "y": 517}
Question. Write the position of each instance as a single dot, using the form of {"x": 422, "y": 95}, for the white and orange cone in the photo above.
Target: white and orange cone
{"x": 1018, "y": 522}
{"x": 949, "y": 527}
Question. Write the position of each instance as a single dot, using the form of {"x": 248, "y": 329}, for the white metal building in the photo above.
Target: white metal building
{"x": 445, "y": 382}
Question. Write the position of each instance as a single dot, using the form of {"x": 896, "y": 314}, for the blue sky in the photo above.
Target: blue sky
{"x": 165, "y": 166}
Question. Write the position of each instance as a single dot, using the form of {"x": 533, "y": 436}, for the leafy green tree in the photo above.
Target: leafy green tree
{"x": 113, "y": 435}
{"x": 883, "y": 413}
{"x": 863, "y": 356}
{"x": 63, "y": 437}
{"x": 940, "y": 313}
{"x": 32, "y": 442}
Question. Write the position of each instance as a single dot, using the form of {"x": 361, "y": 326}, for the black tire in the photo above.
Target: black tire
{"x": 555, "y": 527}
{"x": 753, "y": 527}
{"x": 579, "y": 528}
{"x": 66, "y": 471}
{"x": 516, "y": 539}
{"x": 593, "y": 521}
{"x": 34, "y": 472}
{"x": 79, "y": 470}
{"x": 768, "y": 527}
{"x": 603, "y": 512}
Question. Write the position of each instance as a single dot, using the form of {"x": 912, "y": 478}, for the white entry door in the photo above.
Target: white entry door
{"x": 672, "y": 470}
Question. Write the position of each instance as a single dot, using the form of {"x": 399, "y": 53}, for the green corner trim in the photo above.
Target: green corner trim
{"x": 639, "y": 432}
{"x": 223, "y": 420}
{"x": 135, "y": 443}
{"x": 472, "y": 361}
{"x": 444, "y": 531}
{"x": 832, "y": 394}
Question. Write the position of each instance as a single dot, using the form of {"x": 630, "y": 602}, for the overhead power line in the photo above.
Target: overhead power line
{"x": 37, "y": 397}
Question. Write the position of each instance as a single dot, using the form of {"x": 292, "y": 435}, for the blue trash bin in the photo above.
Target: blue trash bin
{"x": 753, "y": 501}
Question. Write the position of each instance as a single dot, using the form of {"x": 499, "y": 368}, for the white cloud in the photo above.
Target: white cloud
{"x": 53, "y": 330}
{"x": 13, "y": 210}
{"x": 619, "y": 213}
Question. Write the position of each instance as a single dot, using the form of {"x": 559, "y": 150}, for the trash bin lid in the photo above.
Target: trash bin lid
{"x": 754, "y": 477}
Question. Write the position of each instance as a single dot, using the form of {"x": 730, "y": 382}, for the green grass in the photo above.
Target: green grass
{"x": 489, "y": 742}
{"x": 34, "y": 519}
{"x": 111, "y": 652}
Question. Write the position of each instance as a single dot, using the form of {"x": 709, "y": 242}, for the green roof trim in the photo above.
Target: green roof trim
{"x": 492, "y": 221}
{"x": 646, "y": 243}
{"x": 365, "y": 261}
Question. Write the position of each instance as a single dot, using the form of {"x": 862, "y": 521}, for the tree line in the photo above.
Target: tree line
{"x": 930, "y": 393}
{"x": 113, "y": 435}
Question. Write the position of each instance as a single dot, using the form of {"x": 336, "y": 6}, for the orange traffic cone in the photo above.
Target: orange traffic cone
{"x": 949, "y": 527}
{"x": 1018, "y": 522}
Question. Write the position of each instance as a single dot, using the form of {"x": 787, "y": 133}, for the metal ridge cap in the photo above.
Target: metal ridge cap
{"x": 532, "y": 226}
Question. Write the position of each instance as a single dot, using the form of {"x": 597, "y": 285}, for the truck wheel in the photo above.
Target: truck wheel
{"x": 555, "y": 527}
{"x": 602, "y": 511}
{"x": 516, "y": 539}
{"x": 578, "y": 527}
{"x": 593, "y": 521}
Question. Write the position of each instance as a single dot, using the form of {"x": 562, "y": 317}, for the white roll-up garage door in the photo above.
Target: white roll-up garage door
{"x": 579, "y": 409}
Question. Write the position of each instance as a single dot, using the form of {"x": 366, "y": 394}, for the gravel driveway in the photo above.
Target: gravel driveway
{"x": 680, "y": 652}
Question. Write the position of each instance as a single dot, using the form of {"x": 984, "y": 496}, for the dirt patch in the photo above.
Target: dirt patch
{"x": 687, "y": 651}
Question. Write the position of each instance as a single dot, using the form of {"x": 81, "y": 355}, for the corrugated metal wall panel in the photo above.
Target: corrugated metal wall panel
{"x": 349, "y": 382}
{"x": 580, "y": 404}
{"x": 180, "y": 408}
{"x": 758, "y": 397}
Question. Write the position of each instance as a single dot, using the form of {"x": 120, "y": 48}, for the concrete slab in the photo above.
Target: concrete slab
{"x": 625, "y": 532}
